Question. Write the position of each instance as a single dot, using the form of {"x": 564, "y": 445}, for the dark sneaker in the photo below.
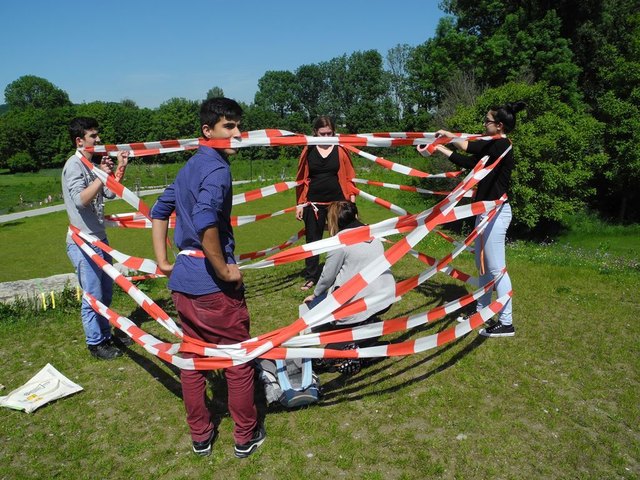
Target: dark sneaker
{"x": 246, "y": 449}
{"x": 204, "y": 448}
{"x": 498, "y": 330}
{"x": 104, "y": 351}
{"x": 462, "y": 318}
{"x": 323, "y": 365}
{"x": 349, "y": 367}
{"x": 121, "y": 339}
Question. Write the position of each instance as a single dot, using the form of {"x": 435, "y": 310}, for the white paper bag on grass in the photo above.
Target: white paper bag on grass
{"x": 47, "y": 385}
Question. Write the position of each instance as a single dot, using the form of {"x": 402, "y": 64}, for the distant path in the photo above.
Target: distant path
{"x": 32, "y": 288}
{"x": 12, "y": 217}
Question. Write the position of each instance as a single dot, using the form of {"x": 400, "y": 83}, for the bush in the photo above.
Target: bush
{"x": 22, "y": 162}
{"x": 557, "y": 149}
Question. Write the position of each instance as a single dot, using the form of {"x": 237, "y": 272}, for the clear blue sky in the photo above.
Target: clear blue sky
{"x": 151, "y": 51}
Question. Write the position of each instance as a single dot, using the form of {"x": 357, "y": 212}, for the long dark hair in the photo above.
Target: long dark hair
{"x": 506, "y": 114}
{"x": 340, "y": 215}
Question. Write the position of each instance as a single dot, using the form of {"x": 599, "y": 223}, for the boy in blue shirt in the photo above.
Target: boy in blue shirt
{"x": 207, "y": 290}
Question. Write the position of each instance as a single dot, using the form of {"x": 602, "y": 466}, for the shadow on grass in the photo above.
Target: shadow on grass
{"x": 146, "y": 361}
{"x": 15, "y": 223}
{"x": 441, "y": 293}
{"x": 335, "y": 393}
{"x": 269, "y": 285}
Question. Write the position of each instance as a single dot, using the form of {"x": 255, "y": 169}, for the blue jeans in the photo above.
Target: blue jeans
{"x": 493, "y": 242}
{"x": 94, "y": 281}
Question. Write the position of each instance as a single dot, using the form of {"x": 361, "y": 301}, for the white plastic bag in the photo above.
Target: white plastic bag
{"x": 47, "y": 385}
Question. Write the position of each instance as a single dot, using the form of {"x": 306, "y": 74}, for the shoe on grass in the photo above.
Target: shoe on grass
{"x": 498, "y": 330}
{"x": 203, "y": 448}
{"x": 246, "y": 449}
{"x": 104, "y": 351}
{"x": 121, "y": 339}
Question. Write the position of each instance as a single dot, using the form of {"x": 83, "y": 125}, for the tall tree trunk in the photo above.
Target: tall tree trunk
{"x": 622, "y": 213}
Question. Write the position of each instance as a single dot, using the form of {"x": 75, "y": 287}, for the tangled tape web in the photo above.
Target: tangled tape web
{"x": 292, "y": 341}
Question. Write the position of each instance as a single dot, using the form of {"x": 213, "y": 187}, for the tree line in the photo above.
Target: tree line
{"x": 576, "y": 64}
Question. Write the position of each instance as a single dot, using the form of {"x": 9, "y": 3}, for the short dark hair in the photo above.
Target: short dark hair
{"x": 506, "y": 114}
{"x": 213, "y": 109}
{"x": 324, "y": 121}
{"x": 78, "y": 127}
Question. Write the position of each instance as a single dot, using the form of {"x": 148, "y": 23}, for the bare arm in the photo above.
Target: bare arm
{"x": 159, "y": 230}
{"x": 228, "y": 272}
{"x": 462, "y": 144}
{"x": 123, "y": 161}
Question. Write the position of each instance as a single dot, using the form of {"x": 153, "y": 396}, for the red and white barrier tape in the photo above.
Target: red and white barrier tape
{"x": 420, "y": 225}
{"x": 405, "y": 188}
{"x": 279, "y": 138}
{"x": 397, "y": 167}
{"x": 264, "y": 192}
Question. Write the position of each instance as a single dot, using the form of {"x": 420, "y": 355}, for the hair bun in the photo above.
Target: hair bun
{"x": 515, "y": 107}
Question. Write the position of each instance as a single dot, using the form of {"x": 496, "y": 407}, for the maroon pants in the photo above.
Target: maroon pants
{"x": 221, "y": 318}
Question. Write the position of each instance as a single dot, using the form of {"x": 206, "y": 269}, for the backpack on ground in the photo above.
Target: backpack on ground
{"x": 290, "y": 382}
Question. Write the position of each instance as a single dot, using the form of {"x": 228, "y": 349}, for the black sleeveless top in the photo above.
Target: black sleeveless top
{"x": 323, "y": 176}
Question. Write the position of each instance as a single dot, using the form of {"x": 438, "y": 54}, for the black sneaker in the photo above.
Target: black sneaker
{"x": 104, "y": 351}
{"x": 246, "y": 449}
{"x": 498, "y": 330}
{"x": 121, "y": 339}
{"x": 204, "y": 448}
{"x": 349, "y": 367}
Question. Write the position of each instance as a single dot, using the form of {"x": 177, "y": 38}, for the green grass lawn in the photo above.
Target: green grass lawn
{"x": 35, "y": 187}
{"x": 558, "y": 400}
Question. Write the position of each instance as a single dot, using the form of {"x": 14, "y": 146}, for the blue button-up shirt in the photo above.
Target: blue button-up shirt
{"x": 201, "y": 196}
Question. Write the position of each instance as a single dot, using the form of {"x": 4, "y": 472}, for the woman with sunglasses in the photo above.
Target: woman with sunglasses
{"x": 326, "y": 172}
{"x": 490, "y": 246}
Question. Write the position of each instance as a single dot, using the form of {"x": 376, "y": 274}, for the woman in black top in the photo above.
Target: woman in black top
{"x": 490, "y": 246}
{"x": 325, "y": 173}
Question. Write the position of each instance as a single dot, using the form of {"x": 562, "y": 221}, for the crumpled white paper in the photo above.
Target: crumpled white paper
{"x": 47, "y": 385}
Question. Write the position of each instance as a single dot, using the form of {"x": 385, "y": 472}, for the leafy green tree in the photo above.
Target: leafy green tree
{"x": 556, "y": 146}
{"x": 215, "y": 92}
{"x": 128, "y": 103}
{"x": 278, "y": 92}
{"x": 434, "y": 62}
{"x": 42, "y": 133}
{"x": 22, "y": 162}
{"x": 590, "y": 49}
{"x": 619, "y": 178}
{"x": 311, "y": 85}
{"x": 120, "y": 122}
{"x": 521, "y": 48}
{"x": 257, "y": 118}
{"x": 177, "y": 118}
{"x": 357, "y": 92}
{"x": 613, "y": 82}
{"x": 397, "y": 59}
{"x": 31, "y": 91}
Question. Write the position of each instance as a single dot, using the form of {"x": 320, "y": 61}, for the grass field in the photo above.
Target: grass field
{"x": 35, "y": 187}
{"x": 558, "y": 400}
